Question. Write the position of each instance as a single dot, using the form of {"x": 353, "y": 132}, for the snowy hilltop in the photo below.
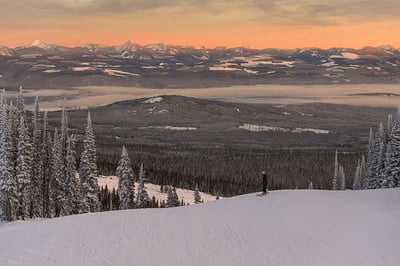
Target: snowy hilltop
{"x": 298, "y": 227}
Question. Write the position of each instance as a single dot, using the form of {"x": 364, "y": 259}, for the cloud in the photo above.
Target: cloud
{"x": 282, "y": 12}
{"x": 323, "y": 12}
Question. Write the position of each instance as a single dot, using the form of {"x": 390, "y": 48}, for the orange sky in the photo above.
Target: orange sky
{"x": 280, "y": 24}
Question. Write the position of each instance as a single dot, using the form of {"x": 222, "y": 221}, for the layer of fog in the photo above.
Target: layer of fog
{"x": 383, "y": 95}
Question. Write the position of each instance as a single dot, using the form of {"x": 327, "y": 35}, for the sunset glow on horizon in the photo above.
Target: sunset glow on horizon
{"x": 247, "y": 23}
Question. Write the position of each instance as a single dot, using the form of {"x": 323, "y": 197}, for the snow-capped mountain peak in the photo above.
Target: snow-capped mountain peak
{"x": 42, "y": 45}
{"x": 158, "y": 47}
{"x": 4, "y": 50}
{"x": 92, "y": 47}
{"x": 127, "y": 46}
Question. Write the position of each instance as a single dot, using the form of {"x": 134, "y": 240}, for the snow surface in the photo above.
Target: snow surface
{"x": 52, "y": 71}
{"x": 82, "y": 69}
{"x": 299, "y": 227}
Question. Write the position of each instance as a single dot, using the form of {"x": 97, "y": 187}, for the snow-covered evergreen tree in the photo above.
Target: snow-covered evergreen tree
{"x": 126, "y": 181}
{"x": 370, "y": 158}
{"x": 142, "y": 199}
{"x": 389, "y": 128}
{"x": 23, "y": 170}
{"x": 3, "y": 167}
{"x": 88, "y": 171}
{"x": 11, "y": 154}
{"x": 8, "y": 185}
{"x": 72, "y": 187}
{"x": 392, "y": 171}
{"x": 363, "y": 171}
{"x": 46, "y": 169}
{"x": 376, "y": 159}
{"x": 57, "y": 183}
{"x": 170, "y": 198}
{"x": 20, "y": 111}
{"x": 196, "y": 194}
{"x": 357, "y": 177}
{"x": 335, "y": 180}
{"x": 36, "y": 209}
{"x": 342, "y": 178}
{"x": 175, "y": 197}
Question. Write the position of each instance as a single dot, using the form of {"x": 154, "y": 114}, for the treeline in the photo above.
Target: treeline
{"x": 381, "y": 167}
{"x": 38, "y": 168}
{"x": 228, "y": 172}
{"x": 383, "y": 159}
{"x": 41, "y": 174}
{"x": 127, "y": 199}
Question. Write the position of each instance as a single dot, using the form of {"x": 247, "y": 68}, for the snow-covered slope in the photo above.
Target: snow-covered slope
{"x": 283, "y": 228}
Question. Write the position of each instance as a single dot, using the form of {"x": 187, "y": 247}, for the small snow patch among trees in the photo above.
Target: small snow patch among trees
{"x": 258, "y": 128}
{"x": 154, "y": 100}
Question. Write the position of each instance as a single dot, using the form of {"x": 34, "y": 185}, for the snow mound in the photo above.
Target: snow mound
{"x": 300, "y": 227}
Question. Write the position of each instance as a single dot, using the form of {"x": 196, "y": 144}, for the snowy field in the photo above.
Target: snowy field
{"x": 300, "y": 227}
{"x": 154, "y": 190}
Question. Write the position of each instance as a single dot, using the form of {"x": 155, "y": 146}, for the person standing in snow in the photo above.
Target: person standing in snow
{"x": 264, "y": 182}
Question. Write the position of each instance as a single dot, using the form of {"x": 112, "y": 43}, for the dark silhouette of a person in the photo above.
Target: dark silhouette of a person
{"x": 264, "y": 182}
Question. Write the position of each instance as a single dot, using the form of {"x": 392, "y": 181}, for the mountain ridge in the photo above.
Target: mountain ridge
{"x": 166, "y": 66}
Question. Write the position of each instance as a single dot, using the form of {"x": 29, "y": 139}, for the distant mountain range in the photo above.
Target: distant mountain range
{"x": 160, "y": 66}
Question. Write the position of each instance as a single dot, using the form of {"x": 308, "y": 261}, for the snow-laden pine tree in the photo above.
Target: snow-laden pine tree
{"x": 72, "y": 188}
{"x": 196, "y": 194}
{"x": 3, "y": 168}
{"x": 24, "y": 170}
{"x": 363, "y": 171}
{"x": 310, "y": 185}
{"x": 175, "y": 197}
{"x": 36, "y": 209}
{"x": 142, "y": 198}
{"x": 11, "y": 154}
{"x": 126, "y": 181}
{"x": 170, "y": 198}
{"x": 342, "y": 178}
{"x": 88, "y": 171}
{"x": 376, "y": 161}
{"x": 392, "y": 171}
{"x": 389, "y": 128}
{"x": 57, "y": 185}
{"x": 357, "y": 177}
{"x": 335, "y": 180}
{"x": 20, "y": 107}
{"x": 64, "y": 134}
{"x": 8, "y": 185}
{"x": 370, "y": 157}
{"x": 46, "y": 160}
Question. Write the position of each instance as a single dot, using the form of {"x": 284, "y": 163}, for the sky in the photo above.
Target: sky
{"x": 209, "y": 23}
